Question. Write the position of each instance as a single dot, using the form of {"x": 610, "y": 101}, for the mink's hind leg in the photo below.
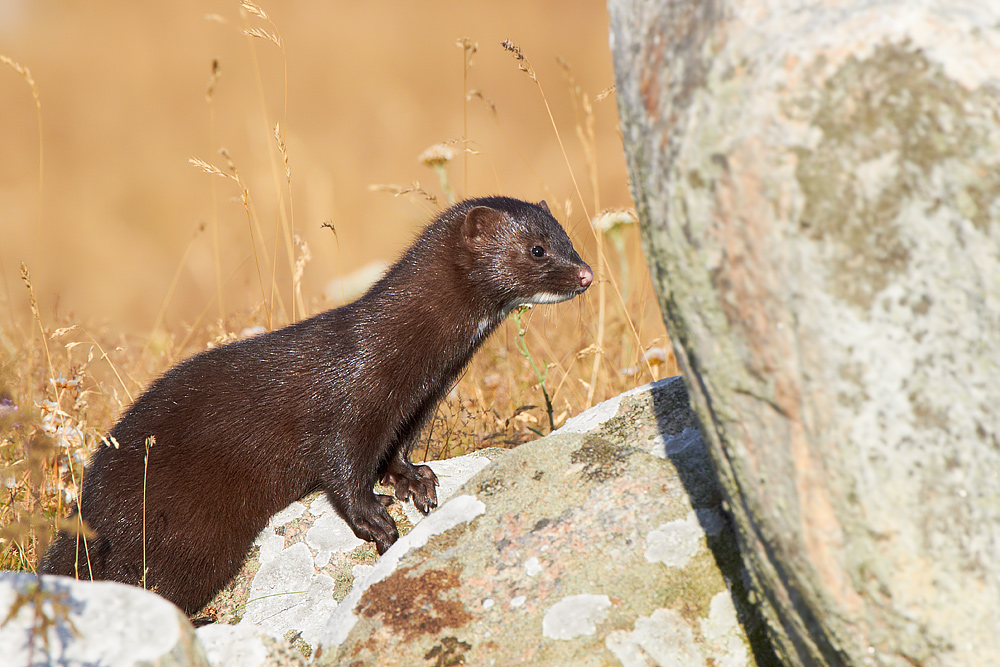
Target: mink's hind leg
{"x": 412, "y": 481}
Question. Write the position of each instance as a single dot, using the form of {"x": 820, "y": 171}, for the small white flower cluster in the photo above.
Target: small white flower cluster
{"x": 57, "y": 425}
{"x": 436, "y": 155}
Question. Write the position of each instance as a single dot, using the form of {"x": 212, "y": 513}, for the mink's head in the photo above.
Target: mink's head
{"x": 519, "y": 254}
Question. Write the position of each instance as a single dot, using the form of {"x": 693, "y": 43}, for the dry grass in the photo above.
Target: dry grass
{"x": 65, "y": 379}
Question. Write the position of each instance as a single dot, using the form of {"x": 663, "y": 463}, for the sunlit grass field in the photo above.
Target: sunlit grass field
{"x": 273, "y": 201}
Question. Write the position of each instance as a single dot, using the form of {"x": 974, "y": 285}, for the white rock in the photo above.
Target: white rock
{"x": 286, "y": 594}
{"x": 96, "y": 623}
{"x": 234, "y": 645}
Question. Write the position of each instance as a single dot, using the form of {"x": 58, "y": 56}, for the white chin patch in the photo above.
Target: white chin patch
{"x": 548, "y": 297}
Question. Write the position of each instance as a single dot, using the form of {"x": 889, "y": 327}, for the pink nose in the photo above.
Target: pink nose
{"x": 586, "y": 276}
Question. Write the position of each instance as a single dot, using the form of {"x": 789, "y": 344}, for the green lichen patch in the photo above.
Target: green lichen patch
{"x": 490, "y": 486}
{"x": 888, "y": 121}
{"x": 602, "y": 460}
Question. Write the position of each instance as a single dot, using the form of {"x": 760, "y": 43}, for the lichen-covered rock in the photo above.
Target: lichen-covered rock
{"x": 570, "y": 550}
{"x": 819, "y": 190}
{"x": 70, "y": 622}
{"x": 307, "y": 559}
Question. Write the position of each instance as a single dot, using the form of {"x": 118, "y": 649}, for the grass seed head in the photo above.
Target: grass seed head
{"x": 607, "y": 92}
{"x": 522, "y": 62}
{"x": 260, "y": 33}
{"x": 253, "y": 9}
{"x": 26, "y": 74}
{"x": 398, "y": 191}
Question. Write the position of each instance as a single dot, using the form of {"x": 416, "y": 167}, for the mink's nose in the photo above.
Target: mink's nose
{"x": 586, "y": 276}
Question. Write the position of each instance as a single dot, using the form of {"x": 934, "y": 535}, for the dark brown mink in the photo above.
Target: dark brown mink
{"x": 333, "y": 402}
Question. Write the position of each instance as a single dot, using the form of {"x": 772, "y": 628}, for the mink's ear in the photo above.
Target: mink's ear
{"x": 479, "y": 221}
{"x": 544, "y": 207}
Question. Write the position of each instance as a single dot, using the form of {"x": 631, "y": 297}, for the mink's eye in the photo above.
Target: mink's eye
{"x": 538, "y": 252}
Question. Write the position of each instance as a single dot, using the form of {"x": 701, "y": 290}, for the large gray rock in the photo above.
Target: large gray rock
{"x": 819, "y": 190}
{"x": 570, "y": 550}
{"x": 80, "y": 623}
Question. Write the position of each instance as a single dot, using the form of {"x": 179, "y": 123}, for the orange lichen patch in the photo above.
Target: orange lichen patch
{"x": 421, "y": 604}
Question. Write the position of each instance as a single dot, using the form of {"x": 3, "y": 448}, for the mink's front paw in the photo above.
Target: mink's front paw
{"x": 424, "y": 488}
{"x": 417, "y": 483}
{"x": 372, "y": 523}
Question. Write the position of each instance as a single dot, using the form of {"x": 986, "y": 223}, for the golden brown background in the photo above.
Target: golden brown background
{"x": 370, "y": 85}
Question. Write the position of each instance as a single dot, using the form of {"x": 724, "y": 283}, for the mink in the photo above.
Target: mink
{"x": 227, "y": 438}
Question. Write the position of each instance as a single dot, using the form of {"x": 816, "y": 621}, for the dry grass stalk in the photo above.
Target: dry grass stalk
{"x": 253, "y": 9}
{"x": 234, "y": 176}
{"x": 106, "y": 357}
{"x": 209, "y": 99}
{"x": 604, "y": 94}
{"x": 150, "y": 441}
{"x": 158, "y": 322}
{"x": 522, "y": 61}
{"x": 475, "y": 93}
{"x": 585, "y": 131}
{"x": 286, "y": 220}
{"x": 469, "y": 49}
{"x": 399, "y": 190}
{"x": 260, "y": 33}
{"x": 280, "y": 139}
{"x": 212, "y": 80}
{"x": 212, "y": 169}
{"x": 300, "y": 266}
{"x": 328, "y": 224}
{"x": 26, "y": 74}
{"x": 590, "y": 151}
{"x": 525, "y": 66}
{"x": 269, "y": 309}
{"x": 296, "y": 288}
{"x": 26, "y": 279}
